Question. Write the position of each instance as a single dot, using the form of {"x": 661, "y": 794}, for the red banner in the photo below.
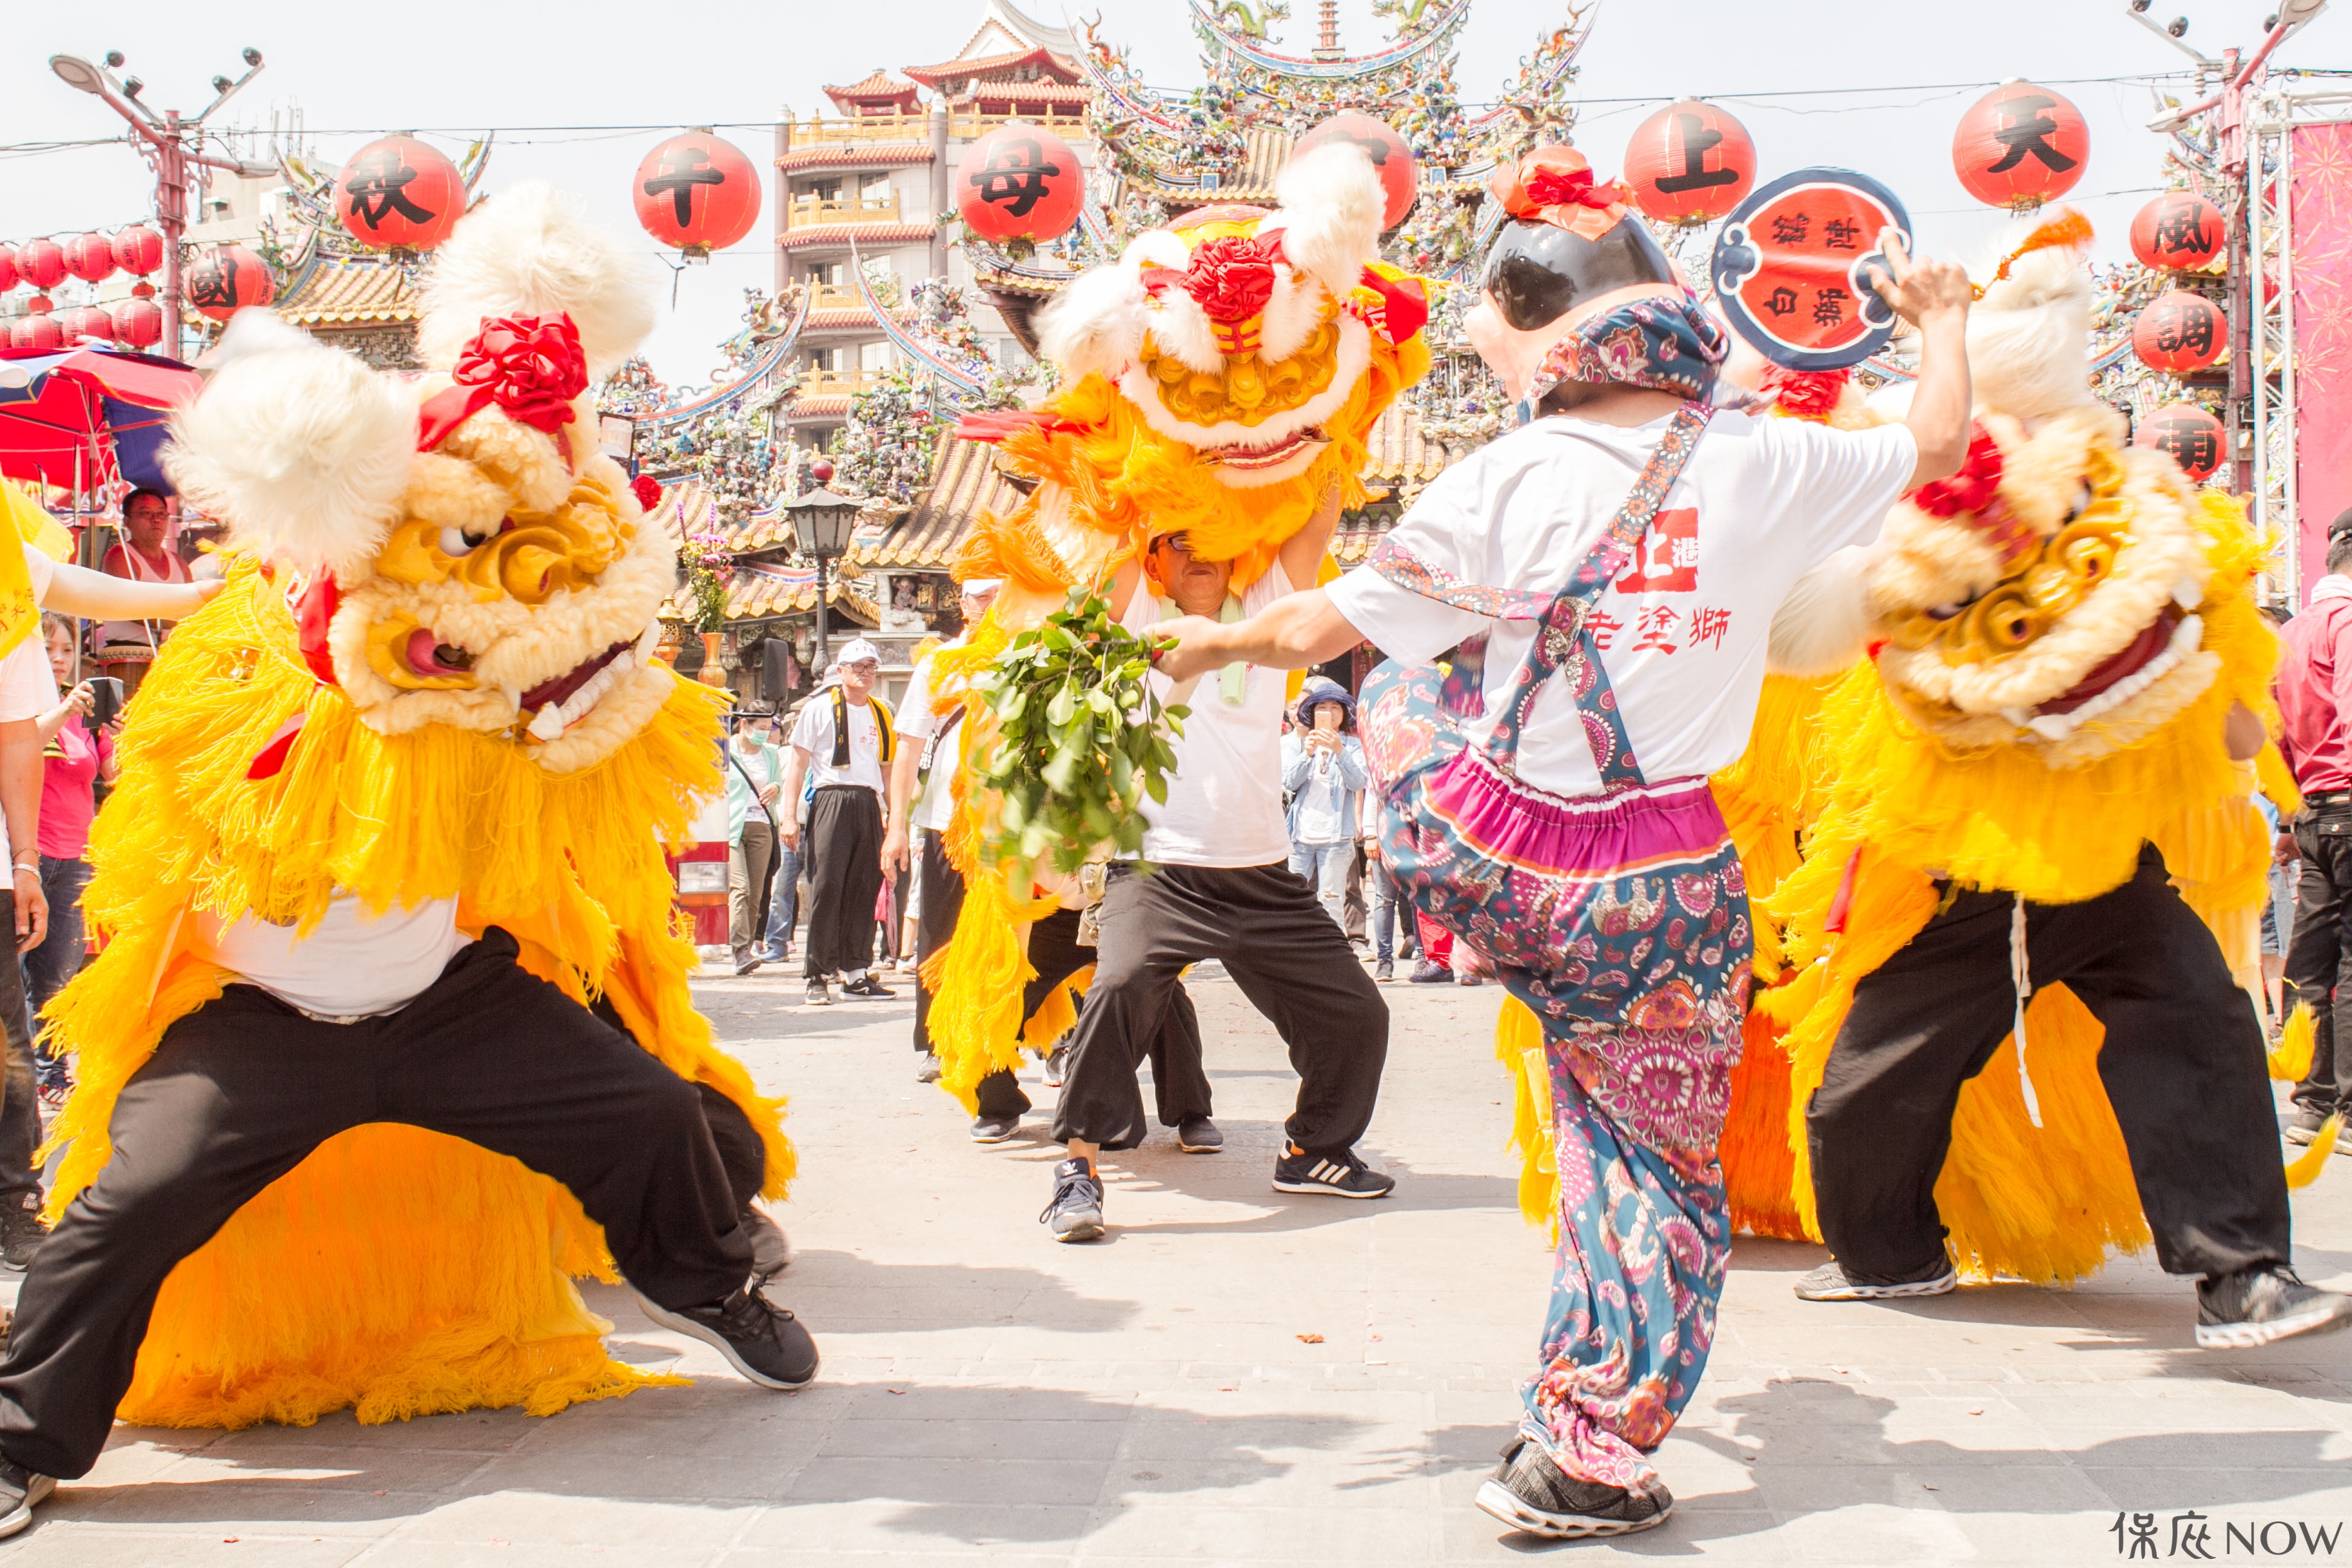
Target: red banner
{"x": 2321, "y": 236}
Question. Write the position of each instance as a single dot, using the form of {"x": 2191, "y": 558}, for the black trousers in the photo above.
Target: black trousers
{"x": 844, "y": 857}
{"x": 2319, "y": 954}
{"x": 1281, "y": 949}
{"x": 20, "y": 1105}
{"x": 935, "y": 922}
{"x": 2182, "y": 1063}
{"x": 241, "y": 1091}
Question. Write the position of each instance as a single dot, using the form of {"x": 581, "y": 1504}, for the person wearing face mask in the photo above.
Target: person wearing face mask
{"x": 1323, "y": 772}
{"x": 843, "y": 739}
{"x": 1635, "y": 541}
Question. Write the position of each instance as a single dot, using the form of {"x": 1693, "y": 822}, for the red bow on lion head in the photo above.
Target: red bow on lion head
{"x": 531, "y": 367}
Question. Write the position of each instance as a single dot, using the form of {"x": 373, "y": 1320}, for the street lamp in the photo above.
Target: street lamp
{"x": 169, "y": 145}
{"x": 821, "y": 522}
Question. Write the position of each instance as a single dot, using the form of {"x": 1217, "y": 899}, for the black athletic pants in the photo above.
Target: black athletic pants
{"x": 844, "y": 857}
{"x": 241, "y": 1091}
{"x": 20, "y": 1105}
{"x": 1280, "y": 945}
{"x": 2319, "y": 953}
{"x": 1178, "y": 1084}
{"x": 2182, "y": 1063}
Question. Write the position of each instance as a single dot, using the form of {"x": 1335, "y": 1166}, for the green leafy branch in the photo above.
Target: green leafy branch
{"x": 1081, "y": 739}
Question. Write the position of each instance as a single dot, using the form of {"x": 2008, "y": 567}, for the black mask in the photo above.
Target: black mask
{"x": 1539, "y": 271}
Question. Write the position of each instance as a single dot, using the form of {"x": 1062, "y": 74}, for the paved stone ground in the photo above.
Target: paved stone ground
{"x": 989, "y": 1394}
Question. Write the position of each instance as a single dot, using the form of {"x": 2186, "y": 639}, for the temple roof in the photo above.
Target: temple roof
{"x": 965, "y": 481}
{"x": 878, "y": 87}
{"x": 994, "y": 67}
{"x": 349, "y": 292}
{"x": 1269, "y": 150}
{"x": 1007, "y": 26}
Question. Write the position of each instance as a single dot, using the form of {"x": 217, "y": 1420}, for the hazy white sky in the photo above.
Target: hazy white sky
{"x": 357, "y": 70}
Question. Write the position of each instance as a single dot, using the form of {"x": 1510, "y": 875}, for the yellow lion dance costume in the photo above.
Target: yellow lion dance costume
{"x": 2061, "y": 636}
{"x": 429, "y": 679}
{"x": 1220, "y": 379}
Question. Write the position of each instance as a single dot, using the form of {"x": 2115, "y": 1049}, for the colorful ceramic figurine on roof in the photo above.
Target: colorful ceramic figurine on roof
{"x": 1219, "y": 381}
{"x": 2013, "y": 1035}
{"x": 392, "y": 1033}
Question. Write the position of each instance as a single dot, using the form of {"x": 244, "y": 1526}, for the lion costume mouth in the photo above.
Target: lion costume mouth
{"x": 555, "y": 706}
{"x": 2148, "y": 658}
{"x": 1257, "y": 459}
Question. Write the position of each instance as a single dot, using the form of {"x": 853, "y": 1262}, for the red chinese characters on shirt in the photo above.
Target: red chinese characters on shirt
{"x": 1666, "y": 561}
{"x": 1655, "y": 628}
{"x": 1708, "y": 625}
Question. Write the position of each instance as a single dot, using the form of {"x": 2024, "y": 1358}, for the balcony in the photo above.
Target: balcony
{"x": 825, "y": 297}
{"x": 862, "y": 129}
{"x": 812, "y": 212}
{"x": 838, "y": 383}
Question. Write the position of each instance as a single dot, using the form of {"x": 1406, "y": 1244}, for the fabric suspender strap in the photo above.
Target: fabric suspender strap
{"x": 883, "y": 733}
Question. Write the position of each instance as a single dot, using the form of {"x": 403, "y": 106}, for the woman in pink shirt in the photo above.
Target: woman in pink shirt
{"x": 73, "y": 760}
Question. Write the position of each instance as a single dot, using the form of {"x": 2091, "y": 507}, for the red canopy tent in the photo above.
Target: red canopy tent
{"x": 80, "y": 418}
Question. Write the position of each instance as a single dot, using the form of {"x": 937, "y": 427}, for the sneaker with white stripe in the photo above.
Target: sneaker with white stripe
{"x": 1336, "y": 1171}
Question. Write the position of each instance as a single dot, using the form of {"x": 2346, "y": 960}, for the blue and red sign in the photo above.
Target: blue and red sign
{"x": 1794, "y": 265}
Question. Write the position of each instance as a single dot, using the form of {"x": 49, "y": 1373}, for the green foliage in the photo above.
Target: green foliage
{"x": 1080, "y": 740}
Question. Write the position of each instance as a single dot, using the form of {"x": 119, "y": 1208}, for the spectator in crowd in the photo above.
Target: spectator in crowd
{"x": 126, "y": 647}
{"x": 754, "y": 785}
{"x": 1391, "y": 918}
{"x": 845, "y": 738}
{"x": 27, "y": 691}
{"x": 2315, "y": 696}
{"x": 1324, "y": 774}
{"x": 75, "y": 758}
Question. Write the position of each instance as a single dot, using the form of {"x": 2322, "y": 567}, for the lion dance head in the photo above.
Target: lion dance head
{"x": 461, "y": 551}
{"x": 1219, "y": 379}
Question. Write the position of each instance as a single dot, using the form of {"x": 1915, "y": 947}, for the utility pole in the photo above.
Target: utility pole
{"x": 173, "y": 148}
{"x": 2236, "y": 73}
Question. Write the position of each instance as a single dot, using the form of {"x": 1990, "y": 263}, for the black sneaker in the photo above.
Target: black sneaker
{"x": 1830, "y": 1282}
{"x": 1338, "y": 1173}
{"x": 928, "y": 1071}
{"x": 1199, "y": 1135}
{"x": 747, "y": 963}
{"x": 866, "y": 985}
{"x": 820, "y": 994}
{"x": 1077, "y": 1212}
{"x": 765, "y": 1343}
{"x": 1529, "y": 1492}
{"x": 1426, "y": 972}
{"x": 771, "y": 1249}
{"x": 994, "y": 1128}
{"x": 20, "y": 1491}
{"x": 1057, "y": 1065}
{"x": 2255, "y": 1306}
{"x": 21, "y": 1233}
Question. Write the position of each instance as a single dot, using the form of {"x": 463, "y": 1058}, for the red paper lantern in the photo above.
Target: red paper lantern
{"x": 2179, "y": 332}
{"x": 41, "y": 263}
{"x": 2019, "y": 146}
{"x": 87, "y": 321}
{"x": 8, "y": 267}
{"x": 697, "y": 192}
{"x": 139, "y": 324}
{"x": 2179, "y": 231}
{"x": 399, "y": 193}
{"x": 91, "y": 258}
{"x": 1392, "y": 158}
{"x": 1019, "y": 181}
{"x": 2186, "y": 433}
{"x": 39, "y": 330}
{"x": 226, "y": 280}
{"x": 1690, "y": 162}
{"x": 138, "y": 250}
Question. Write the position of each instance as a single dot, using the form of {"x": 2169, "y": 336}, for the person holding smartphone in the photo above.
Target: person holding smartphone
{"x": 77, "y": 753}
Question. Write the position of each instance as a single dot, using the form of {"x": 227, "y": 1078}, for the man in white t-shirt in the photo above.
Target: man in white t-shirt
{"x": 844, "y": 738}
{"x": 1572, "y": 837}
{"x": 1219, "y": 886}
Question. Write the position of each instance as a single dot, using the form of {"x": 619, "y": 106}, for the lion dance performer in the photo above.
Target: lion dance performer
{"x": 392, "y": 1033}
{"x": 2008, "y": 1015}
{"x": 1563, "y": 828}
{"x": 1220, "y": 382}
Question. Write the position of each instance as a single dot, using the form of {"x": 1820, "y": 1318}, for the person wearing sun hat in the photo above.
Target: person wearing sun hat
{"x": 1566, "y": 832}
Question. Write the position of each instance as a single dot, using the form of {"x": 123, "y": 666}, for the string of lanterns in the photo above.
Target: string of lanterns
{"x": 43, "y": 264}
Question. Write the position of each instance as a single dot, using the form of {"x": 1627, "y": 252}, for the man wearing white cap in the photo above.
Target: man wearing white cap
{"x": 846, "y": 736}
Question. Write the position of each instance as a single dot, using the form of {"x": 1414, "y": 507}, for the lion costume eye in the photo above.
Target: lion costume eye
{"x": 456, "y": 541}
